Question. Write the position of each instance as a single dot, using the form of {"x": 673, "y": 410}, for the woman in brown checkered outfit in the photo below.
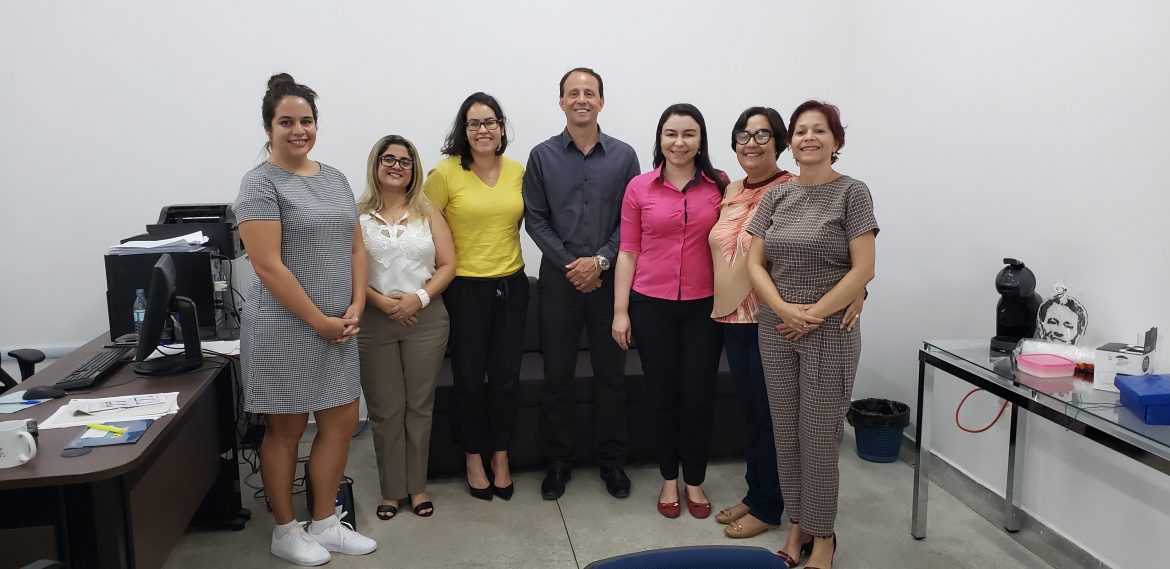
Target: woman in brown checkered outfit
{"x": 815, "y": 255}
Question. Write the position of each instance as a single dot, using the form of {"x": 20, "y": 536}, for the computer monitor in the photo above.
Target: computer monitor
{"x": 160, "y": 303}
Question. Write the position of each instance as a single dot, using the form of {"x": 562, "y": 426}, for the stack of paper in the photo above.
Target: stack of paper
{"x": 80, "y": 412}
{"x": 189, "y": 242}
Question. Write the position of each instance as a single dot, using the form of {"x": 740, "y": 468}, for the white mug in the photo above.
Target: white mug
{"x": 17, "y": 446}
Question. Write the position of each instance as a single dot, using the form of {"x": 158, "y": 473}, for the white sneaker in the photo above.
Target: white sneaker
{"x": 293, "y": 544}
{"x": 340, "y": 537}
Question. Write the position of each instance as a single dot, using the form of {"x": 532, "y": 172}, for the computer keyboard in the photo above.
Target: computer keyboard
{"x": 93, "y": 369}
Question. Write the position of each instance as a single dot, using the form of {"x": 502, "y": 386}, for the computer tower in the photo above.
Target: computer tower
{"x": 343, "y": 503}
{"x": 125, "y": 274}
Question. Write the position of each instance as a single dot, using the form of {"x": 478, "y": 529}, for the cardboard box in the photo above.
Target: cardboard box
{"x": 1147, "y": 396}
{"x": 1112, "y": 360}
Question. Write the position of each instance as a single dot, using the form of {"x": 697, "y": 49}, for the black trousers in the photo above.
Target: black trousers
{"x": 679, "y": 345}
{"x": 487, "y": 338}
{"x": 564, "y": 311}
{"x": 763, "y": 499}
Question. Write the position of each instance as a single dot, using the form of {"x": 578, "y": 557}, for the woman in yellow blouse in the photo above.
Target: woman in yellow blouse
{"x": 478, "y": 191}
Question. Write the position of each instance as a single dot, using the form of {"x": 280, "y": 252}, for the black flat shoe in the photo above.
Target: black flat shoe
{"x": 554, "y": 483}
{"x": 481, "y": 493}
{"x": 616, "y": 482}
{"x": 386, "y": 512}
{"x": 504, "y": 493}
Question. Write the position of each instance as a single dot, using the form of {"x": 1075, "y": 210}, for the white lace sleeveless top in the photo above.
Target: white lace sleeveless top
{"x": 402, "y": 255}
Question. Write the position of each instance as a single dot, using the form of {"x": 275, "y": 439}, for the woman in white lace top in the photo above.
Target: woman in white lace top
{"x": 404, "y": 328}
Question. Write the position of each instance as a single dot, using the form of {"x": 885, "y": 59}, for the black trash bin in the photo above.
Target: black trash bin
{"x": 877, "y": 426}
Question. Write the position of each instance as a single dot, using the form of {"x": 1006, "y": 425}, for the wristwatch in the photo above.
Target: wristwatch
{"x": 602, "y": 262}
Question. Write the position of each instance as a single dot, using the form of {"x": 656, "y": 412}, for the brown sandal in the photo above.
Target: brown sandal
{"x": 728, "y": 515}
{"x": 738, "y": 530}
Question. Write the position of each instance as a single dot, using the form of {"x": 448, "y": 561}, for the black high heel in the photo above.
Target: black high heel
{"x": 504, "y": 493}
{"x": 805, "y": 551}
{"x": 481, "y": 493}
{"x": 831, "y": 556}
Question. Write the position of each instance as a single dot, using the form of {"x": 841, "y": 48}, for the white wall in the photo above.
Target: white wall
{"x": 1029, "y": 130}
{"x": 985, "y": 130}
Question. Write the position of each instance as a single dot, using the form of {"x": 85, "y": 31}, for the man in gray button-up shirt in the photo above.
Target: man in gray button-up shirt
{"x": 573, "y": 188}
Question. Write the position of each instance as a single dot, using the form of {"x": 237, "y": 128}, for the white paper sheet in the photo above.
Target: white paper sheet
{"x": 70, "y": 414}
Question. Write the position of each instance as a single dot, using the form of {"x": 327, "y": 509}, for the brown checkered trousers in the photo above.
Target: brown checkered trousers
{"x": 806, "y": 232}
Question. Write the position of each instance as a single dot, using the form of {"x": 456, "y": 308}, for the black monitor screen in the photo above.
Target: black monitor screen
{"x": 160, "y": 303}
{"x": 159, "y": 297}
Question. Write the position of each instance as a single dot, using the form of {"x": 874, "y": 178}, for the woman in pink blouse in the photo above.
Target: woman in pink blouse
{"x": 663, "y": 287}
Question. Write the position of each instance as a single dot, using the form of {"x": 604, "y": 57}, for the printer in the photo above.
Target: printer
{"x": 198, "y": 272}
{"x": 216, "y": 221}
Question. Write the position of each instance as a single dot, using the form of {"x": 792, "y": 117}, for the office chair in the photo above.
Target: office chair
{"x": 695, "y": 557}
{"x": 27, "y": 360}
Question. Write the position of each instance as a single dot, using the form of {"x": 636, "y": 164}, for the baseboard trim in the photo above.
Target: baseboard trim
{"x": 1037, "y": 537}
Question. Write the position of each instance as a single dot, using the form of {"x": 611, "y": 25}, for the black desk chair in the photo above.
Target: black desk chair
{"x": 27, "y": 360}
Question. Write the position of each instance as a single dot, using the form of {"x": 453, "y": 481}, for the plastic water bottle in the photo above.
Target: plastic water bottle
{"x": 139, "y": 311}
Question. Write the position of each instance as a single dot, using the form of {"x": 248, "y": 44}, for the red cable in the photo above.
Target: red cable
{"x": 990, "y": 425}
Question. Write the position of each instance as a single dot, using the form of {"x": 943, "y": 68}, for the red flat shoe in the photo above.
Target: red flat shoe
{"x": 670, "y": 510}
{"x": 698, "y": 510}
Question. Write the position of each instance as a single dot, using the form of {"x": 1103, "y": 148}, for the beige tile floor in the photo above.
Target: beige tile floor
{"x": 586, "y": 524}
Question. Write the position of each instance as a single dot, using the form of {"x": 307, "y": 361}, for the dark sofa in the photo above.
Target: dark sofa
{"x": 727, "y": 434}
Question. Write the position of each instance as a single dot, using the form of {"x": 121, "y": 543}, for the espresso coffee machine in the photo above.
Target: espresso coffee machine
{"x": 1015, "y": 314}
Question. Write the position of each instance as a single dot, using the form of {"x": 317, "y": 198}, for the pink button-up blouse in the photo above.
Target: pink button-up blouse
{"x": 668, "y": 230}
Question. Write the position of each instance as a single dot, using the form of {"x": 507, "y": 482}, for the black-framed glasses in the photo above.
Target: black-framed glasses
{"x": 490, "y": 124}
{"x": 389, "y": 160}
{"x": 762, "y": 136}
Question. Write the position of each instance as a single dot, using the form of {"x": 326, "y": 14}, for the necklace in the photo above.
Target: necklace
{"x": 489, "y": 177}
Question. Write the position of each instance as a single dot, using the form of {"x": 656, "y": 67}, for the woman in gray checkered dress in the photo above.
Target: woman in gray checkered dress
{"x": 299, "y": 354}
{"x": 815, "y": 256}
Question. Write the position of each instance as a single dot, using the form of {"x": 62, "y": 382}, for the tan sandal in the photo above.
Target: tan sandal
{"x": 739, "y": 530}
{"x": 728, "y": 515}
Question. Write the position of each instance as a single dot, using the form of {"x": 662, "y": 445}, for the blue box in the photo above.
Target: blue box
{"x": 1147, "y": 396}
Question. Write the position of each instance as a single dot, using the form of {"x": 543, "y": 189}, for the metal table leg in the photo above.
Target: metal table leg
{"x": 922, "y": 448}
{"x": 1015, "y": 470}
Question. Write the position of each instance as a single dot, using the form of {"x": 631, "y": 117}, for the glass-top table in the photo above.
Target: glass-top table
{"x": 1070, "y": 402}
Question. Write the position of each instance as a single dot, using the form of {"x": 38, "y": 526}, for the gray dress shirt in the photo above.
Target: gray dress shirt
{"x": 573, "y": 201}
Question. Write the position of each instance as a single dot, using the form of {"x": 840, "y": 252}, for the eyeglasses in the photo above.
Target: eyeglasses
{"x": 490, "y": 124}
{"x": 388, "y": 161}
{"x": 762, "y": 136}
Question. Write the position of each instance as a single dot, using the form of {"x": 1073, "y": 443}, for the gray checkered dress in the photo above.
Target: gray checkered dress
{"x": 288, "y": 367}
{"x": 806, "y": 232}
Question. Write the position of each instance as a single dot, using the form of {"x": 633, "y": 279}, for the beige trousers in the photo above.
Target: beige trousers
{"x": 398, "y": 365}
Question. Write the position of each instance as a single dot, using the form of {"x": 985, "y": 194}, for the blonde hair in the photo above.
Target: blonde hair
{"x": 418, "y": 207}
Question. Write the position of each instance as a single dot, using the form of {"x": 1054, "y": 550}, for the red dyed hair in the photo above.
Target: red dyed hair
{"x": 832, "y": 115}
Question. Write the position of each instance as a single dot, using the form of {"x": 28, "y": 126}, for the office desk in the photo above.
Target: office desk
{"x": 1069, "y": 402}
{"x": 125, "y": 505}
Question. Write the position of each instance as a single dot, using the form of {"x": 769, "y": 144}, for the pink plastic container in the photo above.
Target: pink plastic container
{"x": 1045, "y": 365}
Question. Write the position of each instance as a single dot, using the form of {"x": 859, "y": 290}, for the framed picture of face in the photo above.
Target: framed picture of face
{"x": 1062, "y": 319}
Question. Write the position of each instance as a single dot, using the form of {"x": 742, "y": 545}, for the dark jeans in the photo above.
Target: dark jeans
{"x": 564, "y": 311}
{"x": 487, "y": 338}
{"x": 743, "y": 357}
{"x": 679, "y": 345}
